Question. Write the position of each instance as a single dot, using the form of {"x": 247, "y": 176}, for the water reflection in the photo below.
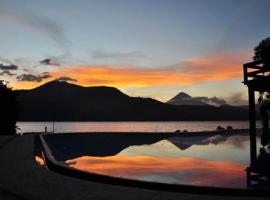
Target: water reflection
{"x": 39, "y": 160}
{"x": 230, "y": 148}
{"x": 258, "y": 174}
{"x": 201, "y": 160}
{"x": 167, "y": 170}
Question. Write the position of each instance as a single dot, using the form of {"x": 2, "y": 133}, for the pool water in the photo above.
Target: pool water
{"x": 218, "y": 161}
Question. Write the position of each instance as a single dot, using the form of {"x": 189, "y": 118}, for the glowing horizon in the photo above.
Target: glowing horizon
{"x": 195, "y": 47}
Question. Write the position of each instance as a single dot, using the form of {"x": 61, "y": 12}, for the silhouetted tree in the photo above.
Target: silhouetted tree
{"x": 262, "y": 53}
{"x": 8, "y": 109}
{"x": 262, "y": 56}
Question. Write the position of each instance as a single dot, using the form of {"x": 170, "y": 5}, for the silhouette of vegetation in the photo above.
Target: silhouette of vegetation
{"x": 8, "y": 109}
{"x": 262, "y": 53}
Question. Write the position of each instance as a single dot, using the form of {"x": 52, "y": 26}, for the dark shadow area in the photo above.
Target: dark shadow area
{"x": 8, "y": 110}
{"x": 69, "y": 146}
{"x": 184, "y": 143}
{"x": 258, "y": 174}
{"x": 257, "y": 79}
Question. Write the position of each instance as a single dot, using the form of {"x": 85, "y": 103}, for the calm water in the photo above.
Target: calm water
{"x": 128, "y": 126}
{"x": 198, "y": 160}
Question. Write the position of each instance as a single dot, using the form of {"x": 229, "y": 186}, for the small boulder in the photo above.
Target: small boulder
{"x": 220, "y": 128}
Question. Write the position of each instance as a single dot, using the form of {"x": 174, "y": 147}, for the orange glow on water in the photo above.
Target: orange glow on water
{"x": 39, "y": 160}
{"x": 197, "y": 171}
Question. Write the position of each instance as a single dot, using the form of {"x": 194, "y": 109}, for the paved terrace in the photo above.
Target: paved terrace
{"x": 22, "y": 178}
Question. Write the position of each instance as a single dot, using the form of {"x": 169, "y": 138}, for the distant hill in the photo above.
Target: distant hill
{"x": 185, "y": 99}
{"x": 63, "y": 101}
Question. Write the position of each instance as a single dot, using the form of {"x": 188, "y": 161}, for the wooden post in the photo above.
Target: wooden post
{"x": 248, "y": 177}
{"x": 252, "y": 126}
{"x": 245, "y": 70}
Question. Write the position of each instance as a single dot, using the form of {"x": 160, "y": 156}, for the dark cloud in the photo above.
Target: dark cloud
{"x": 33, "y": 78}
{"x": 8, "y": 67}
{"x": 6, "y": 72}
{"x": 20, "y": 62}
{"x": 65, "y": 78}
{"x": 46, "y": 61}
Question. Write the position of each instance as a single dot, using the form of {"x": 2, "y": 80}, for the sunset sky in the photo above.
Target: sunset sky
{"x": 150, "y": 48}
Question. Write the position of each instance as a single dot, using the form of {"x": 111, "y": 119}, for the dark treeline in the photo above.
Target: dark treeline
{"x": 8, "y": 109}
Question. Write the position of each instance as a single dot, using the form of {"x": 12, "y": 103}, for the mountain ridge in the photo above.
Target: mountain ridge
{"x": 55, "y": 101}
{"x": 185, "y": 99}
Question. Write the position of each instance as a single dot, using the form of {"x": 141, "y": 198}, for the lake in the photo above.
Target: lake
{"x": 191, "y": 126}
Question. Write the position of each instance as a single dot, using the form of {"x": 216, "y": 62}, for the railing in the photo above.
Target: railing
{"x": 254, "y": 70}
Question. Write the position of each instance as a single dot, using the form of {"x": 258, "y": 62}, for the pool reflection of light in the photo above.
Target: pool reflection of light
{"x": 234, "y": 148}
{"x": 163, "y": 169}
{"x": 39, "y": 160}
{"x": 208, "y": 162}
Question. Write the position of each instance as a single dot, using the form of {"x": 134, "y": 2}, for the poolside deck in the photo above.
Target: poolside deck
{"x": 22, "y": 178}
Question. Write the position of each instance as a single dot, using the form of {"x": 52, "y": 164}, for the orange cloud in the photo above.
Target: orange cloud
{"x": 194, "y": 171}
{"x": 216, "y": 67}
{"x": 123, "y": 76}
{"x": 223, "y": 66}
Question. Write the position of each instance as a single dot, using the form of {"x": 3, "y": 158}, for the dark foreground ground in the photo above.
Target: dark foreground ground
{"x": 22, "y": 178}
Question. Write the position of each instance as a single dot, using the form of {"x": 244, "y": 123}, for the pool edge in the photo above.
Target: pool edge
{"x": 64, "y": 169}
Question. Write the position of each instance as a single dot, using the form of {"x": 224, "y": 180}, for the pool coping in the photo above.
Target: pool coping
{"x": 52, "y": 164}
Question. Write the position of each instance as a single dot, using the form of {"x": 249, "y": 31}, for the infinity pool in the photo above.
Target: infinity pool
{"x": 218, "y": 161}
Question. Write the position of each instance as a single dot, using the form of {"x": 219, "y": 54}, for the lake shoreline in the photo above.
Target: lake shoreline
{"x": 180, "y": 134}
{"x": 192, "y": 126}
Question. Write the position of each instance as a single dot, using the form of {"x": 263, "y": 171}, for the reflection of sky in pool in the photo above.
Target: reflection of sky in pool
{"x": 209, "y": 161}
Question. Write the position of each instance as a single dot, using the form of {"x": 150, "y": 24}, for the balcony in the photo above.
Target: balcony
{"x": 256, "y": 76}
